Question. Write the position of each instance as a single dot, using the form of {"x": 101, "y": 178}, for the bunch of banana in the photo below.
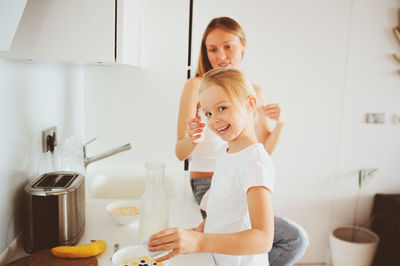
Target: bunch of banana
{"x": 83, "y": 251}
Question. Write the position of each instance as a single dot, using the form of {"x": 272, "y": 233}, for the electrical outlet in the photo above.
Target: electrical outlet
{"x": 49, "y": 139}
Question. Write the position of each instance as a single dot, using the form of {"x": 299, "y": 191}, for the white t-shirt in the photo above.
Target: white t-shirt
{"x": 226, "y": 206}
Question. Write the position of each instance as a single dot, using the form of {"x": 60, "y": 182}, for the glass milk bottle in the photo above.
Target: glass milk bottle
{"x": 154, "y": 211}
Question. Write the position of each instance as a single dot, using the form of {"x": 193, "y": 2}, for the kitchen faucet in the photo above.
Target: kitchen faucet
{"x": 91, "y": 159}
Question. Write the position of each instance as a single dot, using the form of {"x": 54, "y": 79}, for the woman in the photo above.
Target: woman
{"x": 223, "y": 45}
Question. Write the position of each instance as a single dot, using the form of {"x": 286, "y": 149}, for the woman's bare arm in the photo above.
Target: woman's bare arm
{"x": 187, "y": 109}
{"x": 265, "y": 135}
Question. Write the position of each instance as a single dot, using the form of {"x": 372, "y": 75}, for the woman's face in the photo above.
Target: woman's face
{"x": 224, "y": 49}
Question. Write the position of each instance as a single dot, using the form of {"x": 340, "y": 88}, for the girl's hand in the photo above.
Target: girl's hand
{"x": 195, "y": 129}
{"x": 274, "y": 112}
{"x": 180, "y": 241}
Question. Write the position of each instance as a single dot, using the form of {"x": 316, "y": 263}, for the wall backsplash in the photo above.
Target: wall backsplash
{"x": 33, "y": 96}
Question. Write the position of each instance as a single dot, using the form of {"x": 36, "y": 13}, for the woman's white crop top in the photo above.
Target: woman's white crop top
{"x": 203, "y": 158}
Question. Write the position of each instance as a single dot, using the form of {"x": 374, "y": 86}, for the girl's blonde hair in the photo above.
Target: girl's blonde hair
{"x": 232, "y": 81}
{"x": 226, "y": 23}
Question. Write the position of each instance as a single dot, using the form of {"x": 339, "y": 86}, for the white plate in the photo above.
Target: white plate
{"x": 132, "y": 252}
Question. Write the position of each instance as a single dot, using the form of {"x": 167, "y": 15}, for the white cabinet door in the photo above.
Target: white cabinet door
{"x": 73, "y": 30}
{"x": 10, "y": 15}
{"x": 129, "y": 27}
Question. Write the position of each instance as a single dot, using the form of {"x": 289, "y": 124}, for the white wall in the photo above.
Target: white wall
{"x": 299, "y": 58}
{"x": 326, "y": 62}
{"x": 33, "y": 97}
{"x": 140, "y": 105}
{"x": 371, "y": 85}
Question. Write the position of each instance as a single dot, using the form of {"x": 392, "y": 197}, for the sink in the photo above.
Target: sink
{"x": 124, "y": 186}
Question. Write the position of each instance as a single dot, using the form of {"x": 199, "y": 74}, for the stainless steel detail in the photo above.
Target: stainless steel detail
{"x": 55, "y": 210}
{"x": 59, "y": 180}
{"x": 48, "y": 184}
{"x": 89, "y": 160}
{"x": 71, "y": 211}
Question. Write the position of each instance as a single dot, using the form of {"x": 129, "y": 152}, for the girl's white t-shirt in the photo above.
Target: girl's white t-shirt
{"x": 226, "y": 206}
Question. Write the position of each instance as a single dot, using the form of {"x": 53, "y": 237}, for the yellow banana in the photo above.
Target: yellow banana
{"x": 82, "y": 251}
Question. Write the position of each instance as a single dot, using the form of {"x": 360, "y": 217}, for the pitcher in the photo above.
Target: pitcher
{"x": 154, "y": 210}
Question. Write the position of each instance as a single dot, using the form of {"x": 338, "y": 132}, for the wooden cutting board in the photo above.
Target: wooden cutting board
{"x": 45, "y": 258}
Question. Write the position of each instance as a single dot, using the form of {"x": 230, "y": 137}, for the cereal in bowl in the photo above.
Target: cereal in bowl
{"x": 141, "y": 261}
{"x": 128, "y": 210}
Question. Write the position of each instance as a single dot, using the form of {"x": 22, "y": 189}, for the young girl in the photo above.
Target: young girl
{"x": 223, "y": 45}
{"x": 239, "y": 226}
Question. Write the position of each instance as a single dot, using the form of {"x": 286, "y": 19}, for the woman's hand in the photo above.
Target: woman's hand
{"x": 195, "y": 129}
{"x": 274, "y": 112}
{"x": 180, "y": 241}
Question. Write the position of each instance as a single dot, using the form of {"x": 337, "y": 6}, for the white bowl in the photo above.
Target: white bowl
{"x": 124, "y": 215}
{"x": 127, "y": 255}
{"x": 154, "y": 254}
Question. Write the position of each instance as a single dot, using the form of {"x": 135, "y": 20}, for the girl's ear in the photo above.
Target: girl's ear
{"x": 244, "y": 43}
{"x": 251, "y": 103}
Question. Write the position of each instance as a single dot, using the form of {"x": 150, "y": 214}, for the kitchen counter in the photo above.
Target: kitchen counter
{"x": 184, "y": 213}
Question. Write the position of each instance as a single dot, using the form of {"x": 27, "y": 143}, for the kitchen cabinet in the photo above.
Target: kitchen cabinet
{"x": 92, "y": 31}
{"x": 10, "y": 15}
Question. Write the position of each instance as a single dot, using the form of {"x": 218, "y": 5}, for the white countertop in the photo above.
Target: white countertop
{"x": 184, "y": 213}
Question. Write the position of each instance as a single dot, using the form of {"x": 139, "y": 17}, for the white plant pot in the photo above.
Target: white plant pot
{"x": 359, "y": 251}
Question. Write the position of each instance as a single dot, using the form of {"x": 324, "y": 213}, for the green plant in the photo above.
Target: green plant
{"x": 363, "y": 175}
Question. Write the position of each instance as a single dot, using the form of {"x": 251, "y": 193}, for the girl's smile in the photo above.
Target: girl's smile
{"x": 223, "y": 129}
{"x": 224, "y": 118}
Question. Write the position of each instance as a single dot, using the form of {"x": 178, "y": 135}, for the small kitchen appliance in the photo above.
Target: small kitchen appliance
{"x": 55, "y": 210}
